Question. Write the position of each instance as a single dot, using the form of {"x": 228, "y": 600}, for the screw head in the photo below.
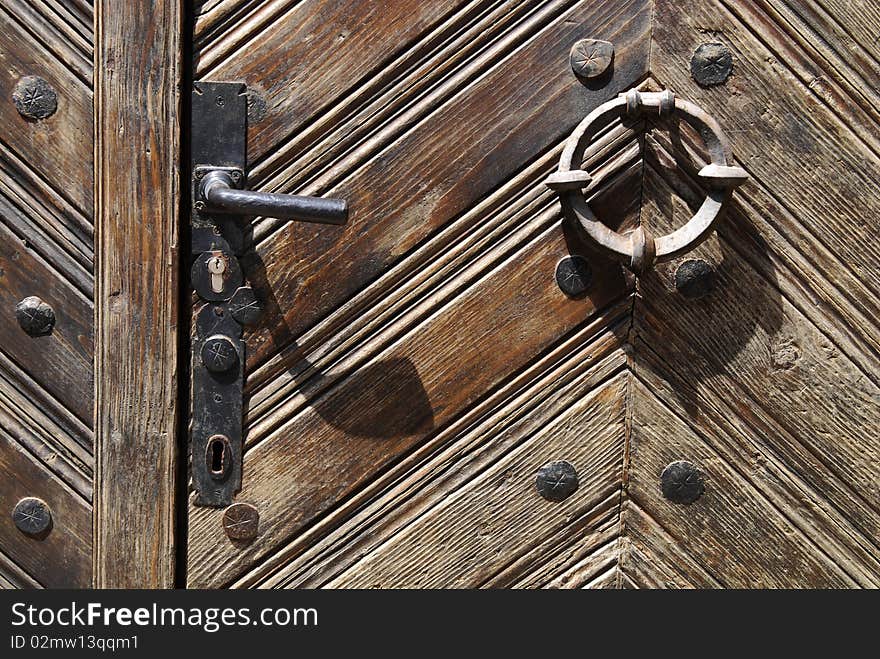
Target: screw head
{"x": 32, "y": 516}
{"x": 200, "y": 205}
{"x": 241, "y": 521}
{"x": 574, "y": 275}
{"x": 694, "y": 278}
{"x": 236, "y": 175}
{"x": 557, "y": 480}
{"x": 35, "y": 316}
{"x": 199, "y": 174}
{"x": 34, "y": 98}
{"x": 244, "y": 306}
{"x": 590, "y": 58}
{"x": 682, "y": 482}
{"x": 219, "y": 354}
{"x": 711, "y": 64}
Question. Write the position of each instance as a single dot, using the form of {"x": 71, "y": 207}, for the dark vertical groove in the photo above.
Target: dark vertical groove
{"x": 185, "y": 301}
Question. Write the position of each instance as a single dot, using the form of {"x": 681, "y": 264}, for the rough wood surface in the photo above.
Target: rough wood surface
{"x": 516, "y": 409}
{"x": 137, "y": 95}
{"x": 426, "y": 316}
{"x": 63, "y": 557}
{"x": 497, "y": 517}
{"x": 61, "y": 361}
{"x": 732, "y": 531}
{"x": 508, "y": 419}
{"x": 60, "y": 147}
{"x": 46, "y": 391}
{"x": 404, "y": 193}
{"x": 809, "y": 404}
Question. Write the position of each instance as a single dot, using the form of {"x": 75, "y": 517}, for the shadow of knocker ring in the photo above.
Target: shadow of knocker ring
{"x": 639, "y": 250}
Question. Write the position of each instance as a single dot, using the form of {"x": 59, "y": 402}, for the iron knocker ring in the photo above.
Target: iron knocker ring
{"x": 639, "y": 250}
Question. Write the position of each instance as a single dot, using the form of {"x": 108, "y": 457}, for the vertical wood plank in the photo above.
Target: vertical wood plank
{"x": 137, "y": 137}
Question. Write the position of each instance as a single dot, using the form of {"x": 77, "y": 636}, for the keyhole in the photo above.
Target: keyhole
{"x": 218, "y": 448}
{"x": 218, "y": 457}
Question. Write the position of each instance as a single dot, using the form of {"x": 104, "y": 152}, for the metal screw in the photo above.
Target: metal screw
{"x": 34, "y": 98}
{"x": 590, "y": 58}
{"x": 221, "y": 101}
{"x": 35, "y": 316}
{"x": 241, "y": 521}
{"x": 711, "y": 64}
{"x": 200, "y": 174}
{"x": 682, "y": 482}
{"x": 236, "y": 175}
{"x": 574, "y": 275}
{"x": 219, "y": 354}
{"x": 32, "y": 516}
{"x": 694, "y": 279}
{"x": 200, "y": 206}
{"x": 244, "y": 306}
{"x": 557, "y": 480}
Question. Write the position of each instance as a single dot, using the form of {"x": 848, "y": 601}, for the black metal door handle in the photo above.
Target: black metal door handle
{"x": 219, "y": 191}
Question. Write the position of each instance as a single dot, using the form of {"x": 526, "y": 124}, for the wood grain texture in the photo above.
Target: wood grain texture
{"x": 137, "y": 96}
{"x": 809, "y": 405}
{"x": 61, "y": 361}
{"x": 380, "y": 313}
{"x": 497, "y": 517}
{"x": 411, "y": 189}
{"x": 447, "y": 463}
{"x": 654, "y": 559}
{"x": 63, "y": 557}
{"x": 733, "y": 532}
{"x": 393, "y": 403}
{"x": 779, "y": 124}
{"x": 13, "y": 577}
{"x": 52, "y": 28}
{"x": 515, "y": 409}
{"x": 59, "y": 148}
{"x": 415, "y": 367}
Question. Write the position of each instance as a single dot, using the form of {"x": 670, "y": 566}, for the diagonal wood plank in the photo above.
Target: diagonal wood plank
{"x": 410, "y": 190}
{"x": 59, "y": 148}
{"x": 514, "y": 410}
{"x": 497, "y": 515}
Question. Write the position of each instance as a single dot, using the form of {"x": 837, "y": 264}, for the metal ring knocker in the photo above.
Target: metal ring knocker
{"x": 639, "y": 250}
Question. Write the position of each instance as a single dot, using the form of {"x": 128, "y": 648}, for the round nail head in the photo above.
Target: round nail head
{"x": 574, "y": 275}
{"x": 682, "y": 482}
{"x": 32, "y": 516}
{"x": 556, "y": 481}
{"x": 590, "y": 58}
{"x": 244, "y": 306}
{"x": 34, "y": 98}
{"x": 241, "y": 521}
{"x": 711, "y": 64}
{"x": 219, "y": 354}
{"x": 34, "y": 316}
{"x": 694, "y": 278}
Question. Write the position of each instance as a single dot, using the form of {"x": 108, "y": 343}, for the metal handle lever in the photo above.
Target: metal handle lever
{"x": 221, "y": 195}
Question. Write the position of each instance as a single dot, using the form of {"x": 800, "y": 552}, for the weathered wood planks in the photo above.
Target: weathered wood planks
{"x": 137, "y": 186}
{"x": 63, "y": 558}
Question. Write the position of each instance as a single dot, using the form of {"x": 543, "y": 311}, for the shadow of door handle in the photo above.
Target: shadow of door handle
{"x": 220, "y": 193}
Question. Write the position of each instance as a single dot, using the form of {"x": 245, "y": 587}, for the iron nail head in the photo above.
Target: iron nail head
{"x": 682, "y": 482}
{"x": 590, "y": 58}
{"x": 241, "y": 521}
{"x": 556, "y": 481}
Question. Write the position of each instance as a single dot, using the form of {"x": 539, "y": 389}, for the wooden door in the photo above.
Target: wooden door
{"x": 426, "y": 406}
{"x": 88, "y": 289}
{"x": 46, "y": 293}
{"x": 416, "y": 369}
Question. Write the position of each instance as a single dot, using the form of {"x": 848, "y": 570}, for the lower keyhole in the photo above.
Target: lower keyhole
{"x": 218, "y": 451}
